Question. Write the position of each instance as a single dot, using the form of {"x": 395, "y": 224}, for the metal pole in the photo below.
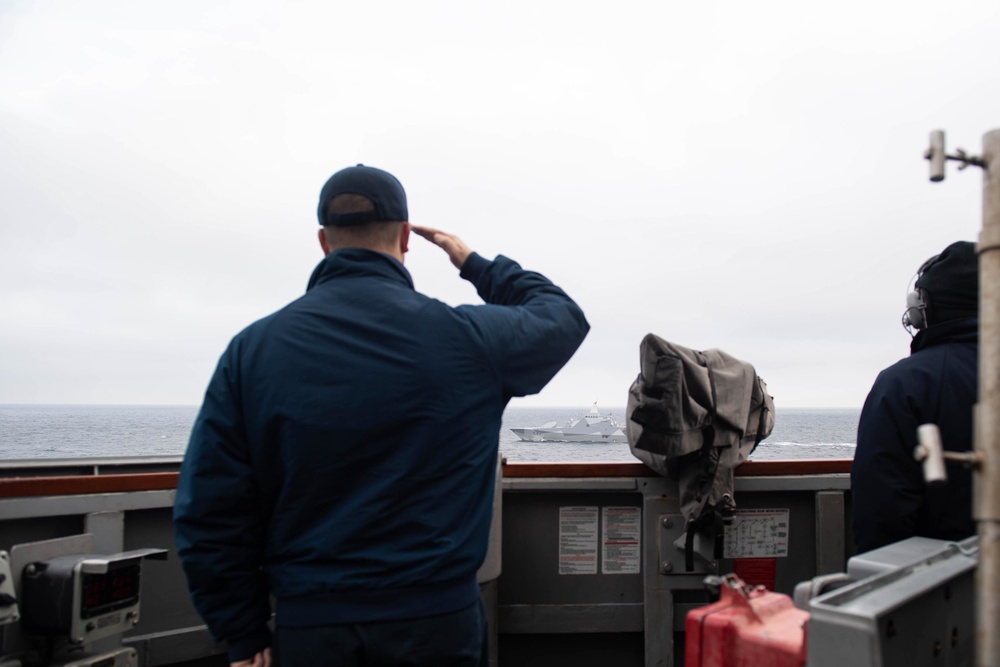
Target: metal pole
{"x": 987, "y": 415}
{"x": 936, "y": 155}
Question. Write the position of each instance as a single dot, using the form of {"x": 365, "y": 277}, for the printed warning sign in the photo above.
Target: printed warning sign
{"x": 621, "y": 530}
{"x": 577, "y": 540}
{"x": 757, "y": 534}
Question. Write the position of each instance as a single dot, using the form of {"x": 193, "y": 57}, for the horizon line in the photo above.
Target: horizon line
{"x": 533, "y": 406}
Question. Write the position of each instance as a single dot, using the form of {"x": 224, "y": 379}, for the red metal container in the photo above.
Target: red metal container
{"x": 747, "y": 627}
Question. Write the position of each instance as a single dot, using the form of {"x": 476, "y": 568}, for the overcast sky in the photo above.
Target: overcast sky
{"x": 737, "y": 175}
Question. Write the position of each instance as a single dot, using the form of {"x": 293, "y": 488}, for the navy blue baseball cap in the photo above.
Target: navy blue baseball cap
{"x": 381, "y": 187}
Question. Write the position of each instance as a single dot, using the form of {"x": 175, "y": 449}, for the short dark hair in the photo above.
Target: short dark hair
{"x": 350, "y": 204}
{"x": 367, "y": 235}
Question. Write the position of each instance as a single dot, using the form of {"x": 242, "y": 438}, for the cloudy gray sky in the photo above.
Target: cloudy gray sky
{"x": 740, "y": 175}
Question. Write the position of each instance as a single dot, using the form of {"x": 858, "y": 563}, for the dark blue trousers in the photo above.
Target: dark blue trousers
{"x": 458, "y": 639}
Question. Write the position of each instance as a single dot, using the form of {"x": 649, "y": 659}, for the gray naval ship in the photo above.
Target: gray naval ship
{"x": 592, "y": 427}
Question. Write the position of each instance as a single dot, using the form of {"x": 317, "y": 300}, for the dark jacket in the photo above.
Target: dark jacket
{"x": 343, "y": 459}
{"x": 936, "y": 384}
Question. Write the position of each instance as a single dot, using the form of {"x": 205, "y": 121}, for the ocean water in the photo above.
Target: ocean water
{"x": 64, "y": 431}
{"x": 799, "y": 433}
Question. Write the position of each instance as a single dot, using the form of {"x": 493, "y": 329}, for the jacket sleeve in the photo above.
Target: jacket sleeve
{"x": 887, "y": 486}
{"x": 531, "y": 327}
{"x": 218, "y": 526}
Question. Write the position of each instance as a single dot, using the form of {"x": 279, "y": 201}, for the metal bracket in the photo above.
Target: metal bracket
{"x": 937, "y": 156}
{"x": 931, "y": 453}
{"x": 670, "y": 548}
{"x": 8, "y": 599}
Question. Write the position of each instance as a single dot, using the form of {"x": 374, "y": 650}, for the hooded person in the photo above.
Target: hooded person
{"x": 936, "y": 384}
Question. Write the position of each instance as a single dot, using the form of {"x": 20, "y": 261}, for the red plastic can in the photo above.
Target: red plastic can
{"x": 747, "y": 627}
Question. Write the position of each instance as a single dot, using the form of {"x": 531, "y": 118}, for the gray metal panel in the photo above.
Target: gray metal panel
{"x": 917, "y": 615}
{"x": 492, "y": 564}
{"x": 670, "y": 551}
{"x": 894, "y": 556}
{"x": 488, "y": 595}
{"x": 114, "y": 657}
{"x": 48, "y": 506}
{"x": 108, "y": 529}
{"x": 571, "y": 618}
{"x": 22, "y": 554}
{"x": 660, "y": 499}
{"x": 681, "y": 610}
{"x": 830, "y": 532}
{"x": 52, "y": 467}
{"x": 832, "y": 482}
{"x": 162, "y": 580}
{"x": 531, "y": 553}
{"x": 589, "y": 485}
{"x": 616, "y": 649}
{"x": 180, "y": 645}
{"x": 91, "y": 465}
{"x": 800, "y": 564}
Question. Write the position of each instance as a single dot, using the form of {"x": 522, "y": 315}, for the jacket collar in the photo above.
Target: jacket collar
{"x": 965, "y": 330}
{"x": 359, "y": 262}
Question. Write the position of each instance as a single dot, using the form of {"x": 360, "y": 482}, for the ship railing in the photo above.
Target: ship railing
{"x": 126, "y": 503}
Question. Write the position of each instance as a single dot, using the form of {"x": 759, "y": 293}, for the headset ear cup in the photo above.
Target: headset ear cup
{"x": 916, "y": 310}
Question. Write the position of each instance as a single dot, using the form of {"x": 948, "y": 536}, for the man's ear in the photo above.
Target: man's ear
{"x": 323, "y": 243}
{"x": 404, "y": 239}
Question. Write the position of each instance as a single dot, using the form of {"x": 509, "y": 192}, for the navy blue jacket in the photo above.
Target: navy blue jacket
{"x": 343, "y": 459}
{"x": 936, "y": 384}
